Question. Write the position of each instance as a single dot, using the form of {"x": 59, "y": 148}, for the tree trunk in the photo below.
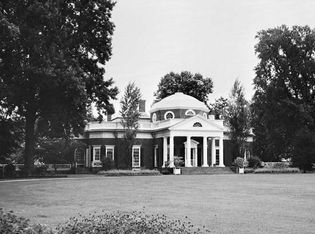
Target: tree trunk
{"x": 30, "y": 138}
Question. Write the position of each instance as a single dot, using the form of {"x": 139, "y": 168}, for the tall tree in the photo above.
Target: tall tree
{"x": 219, "y": 107}
{"x": 130, "y": 117}
{"x": 284, "y": 100}
{"x": 238, "y": 119}
{"x": 192, "y": 84}
{"x": 51, "y": 64}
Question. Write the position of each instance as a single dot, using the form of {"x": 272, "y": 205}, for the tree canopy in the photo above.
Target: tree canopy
{"x": 237, "y": 116}
{"x": 186, "y": 82}
{"x": 284, "y": 99}
{"x": 52, "y": 57}
{"x": 130, "y": 116}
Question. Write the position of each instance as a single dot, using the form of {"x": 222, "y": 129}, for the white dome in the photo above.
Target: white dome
{"x": 179, "y": 101}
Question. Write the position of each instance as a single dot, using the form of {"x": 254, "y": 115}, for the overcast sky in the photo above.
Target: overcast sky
{"x": 215, "y": 38}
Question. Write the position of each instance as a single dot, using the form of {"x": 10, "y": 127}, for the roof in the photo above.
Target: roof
{"x": 179, "y": 101}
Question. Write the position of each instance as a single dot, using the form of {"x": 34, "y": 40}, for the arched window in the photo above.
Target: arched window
{"x": 197, "y": 124}
{"x": 205, "y": 115}
{"x": 154, "y": 118}
{"x": 169, "y": 115}
{"x": 190, "y": 112}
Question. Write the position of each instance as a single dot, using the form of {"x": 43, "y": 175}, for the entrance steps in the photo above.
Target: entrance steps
{"x": 205, "y": 170}
{"x": 83, "y": 170}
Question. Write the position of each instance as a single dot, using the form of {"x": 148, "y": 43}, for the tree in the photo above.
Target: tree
{"x": 284, "y": 99}
{"x": 238, "y": 119}
{"x": 185, "y": 82}
{"x": 52, "y": 56}
{"x": 130, "y": 116}
{"x": 219, "y": 107}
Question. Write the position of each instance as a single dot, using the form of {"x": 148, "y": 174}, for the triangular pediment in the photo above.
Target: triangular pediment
{"x": 198, "y": 123}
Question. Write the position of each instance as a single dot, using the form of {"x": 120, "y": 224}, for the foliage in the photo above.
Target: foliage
{"x": 238, "y": 119}
{"x": 277, "y": 170}
{"x": 179, "y": 161}
{"x": 219, "y": 107}
{"x": 129, "y": 173}
{"x": 130, "y": 116}
{"x": 191, "y": 84}
{"x": 284, "y": 99}
{"x": 52, "y": 56}
{"x": 9, "y": 170}
{"x": 128, "y": 222}
{"x": 108, "y": 163}
{"x": 10, "y": 223}
{"x": 276, "y": 165}
{"x": 254, "y": 162}
{"x": 239, "y": 162}
{"x": 57, "y": 150}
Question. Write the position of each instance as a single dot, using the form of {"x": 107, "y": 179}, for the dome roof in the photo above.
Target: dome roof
{"x": 179, "y": 101}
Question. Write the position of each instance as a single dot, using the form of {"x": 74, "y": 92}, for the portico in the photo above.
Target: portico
{"x": 199, "y": 136}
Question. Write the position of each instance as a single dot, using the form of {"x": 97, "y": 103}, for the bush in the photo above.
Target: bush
{"x": 278, "y": 165}
{"x": 254, "y": 162}
{"x": 10, "y": 223}
{"x": 9, "y": 170}
{"x": 239, "y": 162}
{"x": 129, "y": 173}
{"x": 127, "y": 222}
{"x": 108, "y": 163}
{"x": 277, "y": 170}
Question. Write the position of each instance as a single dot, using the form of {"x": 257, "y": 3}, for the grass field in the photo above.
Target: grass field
{"x": 223, "y": 203}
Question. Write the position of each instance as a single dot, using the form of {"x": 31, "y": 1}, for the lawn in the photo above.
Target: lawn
{"x": 223, "y": 203}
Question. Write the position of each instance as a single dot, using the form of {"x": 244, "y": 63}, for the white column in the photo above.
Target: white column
{"x": 188, "y": 150}
{"x": 172, "y": 152}
{"x": 221, "y": 163}
{"x": 205, "y": 152}
{"x": 164, "y": 151}
{"x": 213, "y": 158}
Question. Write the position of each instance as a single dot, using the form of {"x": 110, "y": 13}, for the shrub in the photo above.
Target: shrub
{"x": 277, "y": 170}
{"x": 276, "y": 164}
{"x": 10, "y": 223}
{"x": 239, "y": 162}
{"x": 178, "y": 161}
{"x": 127, "y": 222}
{"x": 9, "y": 170}
{"x": 129, "y": 173}
{"x": 108, "y": 163}
{"x": 254, "y": 162}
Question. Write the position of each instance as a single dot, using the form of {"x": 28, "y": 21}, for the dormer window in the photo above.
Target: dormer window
{"x": 197, "y": 124}
{"x": 169, "y": 115}
{"x": 190, "y": 112}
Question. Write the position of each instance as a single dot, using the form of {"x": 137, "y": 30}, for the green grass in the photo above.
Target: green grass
{"x": 264, "y": 203}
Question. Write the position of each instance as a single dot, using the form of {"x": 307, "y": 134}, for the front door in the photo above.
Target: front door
{"x": 194, "y": 157}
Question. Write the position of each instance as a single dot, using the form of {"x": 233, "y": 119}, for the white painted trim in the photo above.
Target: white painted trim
{"x": 112, "y": 147}
{"x": 133, "y": 162}
{"x": 153, "y": 117}
{"x": 155, "y": 157}
{"x": 190, "y": 110}
{"x": 169, "y": 112}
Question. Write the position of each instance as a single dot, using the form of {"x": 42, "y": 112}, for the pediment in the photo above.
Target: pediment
{"x": 198, "y": 123}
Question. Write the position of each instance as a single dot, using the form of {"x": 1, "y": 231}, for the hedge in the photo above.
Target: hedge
{"x": 277, "y": 170}
{"x": 129, "y": 173}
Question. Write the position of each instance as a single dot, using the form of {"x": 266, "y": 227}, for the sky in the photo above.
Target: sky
{"x": 215, "y": 38}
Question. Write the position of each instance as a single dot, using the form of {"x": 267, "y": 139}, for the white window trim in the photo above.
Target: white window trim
{"x": 190, "y": 110}
{"x": 169, "y": 112}
{"x": 155, "y": 162}
{"x": 95, "y": 147}
{"x": 154, "y": 117}
{"x": 205, "y": 115}
{"x": 133, "y": 163}
{"x": 107, "y": 147}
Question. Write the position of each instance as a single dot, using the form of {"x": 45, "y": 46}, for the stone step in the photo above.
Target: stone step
{"x": 82, "y": 170}
{"x": 205, "y": 170}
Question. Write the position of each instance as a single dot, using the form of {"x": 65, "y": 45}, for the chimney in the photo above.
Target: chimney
{"x": 142, "y": 106}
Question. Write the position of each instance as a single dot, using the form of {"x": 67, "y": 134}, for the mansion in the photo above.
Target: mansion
{"x": 178, "y": 126}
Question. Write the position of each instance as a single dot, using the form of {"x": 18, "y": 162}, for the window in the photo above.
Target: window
{"x": 156, "y": 152}
{"x": 97, "y": 153}
{"x": 197, "y": 124}
{"x": 217, "y": 142}
{"x": 154, "y": 118}
{"x": 110, "y": 152}
{"x": 169, "y": 115}
{"x": 136, "y": 155}
{"x": 190, "y": 112}
{"x": 205, "y": 115}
